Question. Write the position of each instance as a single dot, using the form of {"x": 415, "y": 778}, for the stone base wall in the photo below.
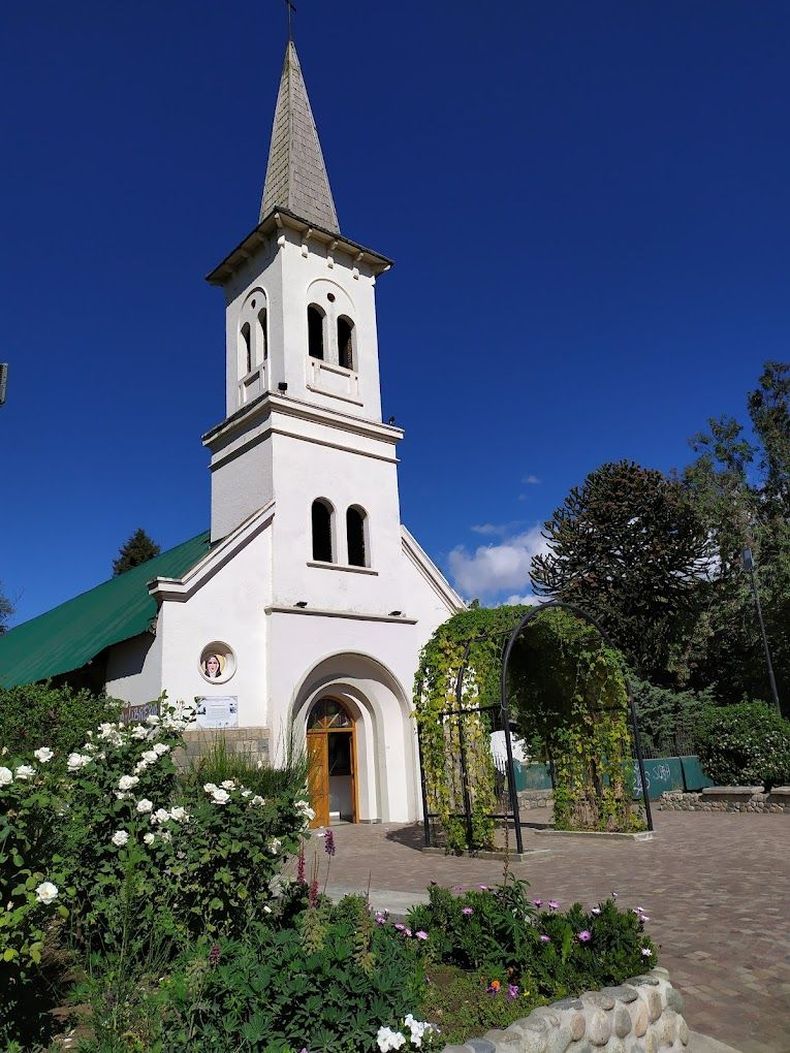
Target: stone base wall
{"x": 643, "y": 1015}
{"x": 728, "y": 799}
{"x": 528, "y": 799}
{"x": 252, "y": 742}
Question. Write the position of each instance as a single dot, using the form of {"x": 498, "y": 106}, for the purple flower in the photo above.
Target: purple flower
{"x": 408, "y": 932}
{"x": 584, "y": 936}
{"x": 329, "y": 843}
{"x": 400, "y": 928}
{"x": 512, "y": 991}
{"x": 421, "y": 935}
{"x": 537, "y": 903}
{"x": 554, "y": 904}
{"x": 300, "y": 866}
{"x": 595, "y": 910}
{"x": 544, "y": 938}
{"x": 644, "y": 917}
{"x": 380, "y": 917}
{"x": 467, "y": 911}
{"x": 214, "y": 954}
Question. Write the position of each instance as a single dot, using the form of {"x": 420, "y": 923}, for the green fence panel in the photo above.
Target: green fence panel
{"x": 694, "y": 778}
{"x": 661, "y": 774}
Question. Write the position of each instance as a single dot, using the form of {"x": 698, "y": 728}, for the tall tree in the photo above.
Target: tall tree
{"x": 6, "y": 610}
{"x": 629, "y": 548}
{"x": 741, "y": 488}
{"x": 138, "y": 549}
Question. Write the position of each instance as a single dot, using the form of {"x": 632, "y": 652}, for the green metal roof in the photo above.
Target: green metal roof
{"x": 70, "y": 635}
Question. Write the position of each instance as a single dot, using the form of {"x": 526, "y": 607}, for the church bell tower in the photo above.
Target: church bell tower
{"x": 303, "y": 425}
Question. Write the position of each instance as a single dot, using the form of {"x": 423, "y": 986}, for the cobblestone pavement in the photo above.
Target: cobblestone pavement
{"x": 716, "y": 888}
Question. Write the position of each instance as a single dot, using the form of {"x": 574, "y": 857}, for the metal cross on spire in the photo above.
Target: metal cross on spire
{"x": 289, "y": 7}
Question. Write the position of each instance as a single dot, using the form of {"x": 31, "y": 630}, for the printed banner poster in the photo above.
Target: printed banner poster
{"x": 222, "y": 712}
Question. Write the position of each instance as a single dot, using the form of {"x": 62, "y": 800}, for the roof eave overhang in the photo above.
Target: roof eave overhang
{"x": 280, "y": 218}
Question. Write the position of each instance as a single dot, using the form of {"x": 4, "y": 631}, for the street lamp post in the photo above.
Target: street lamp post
{"x": 748, "y": 566}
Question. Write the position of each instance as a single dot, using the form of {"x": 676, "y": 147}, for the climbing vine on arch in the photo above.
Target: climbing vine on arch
{"x": 478, "y": 634}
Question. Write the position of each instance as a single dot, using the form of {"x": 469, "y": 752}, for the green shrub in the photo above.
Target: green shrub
{"x": 745, "y": 744}
{"x": 38, "y": 714}
{"x": 327, "y": 982}
{"x": 465, "y": 1005}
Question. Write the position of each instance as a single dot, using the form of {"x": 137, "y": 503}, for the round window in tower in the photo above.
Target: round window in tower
{"x": 217, "y": 662}
{"x": 331, "y": 297}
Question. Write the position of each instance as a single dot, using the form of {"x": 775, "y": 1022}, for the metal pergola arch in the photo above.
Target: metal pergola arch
{"x": 459, "y": 711}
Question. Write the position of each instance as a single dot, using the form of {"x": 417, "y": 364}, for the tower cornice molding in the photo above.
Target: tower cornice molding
{"x": 270, "y": 405}
{"x": 280, "y": 219}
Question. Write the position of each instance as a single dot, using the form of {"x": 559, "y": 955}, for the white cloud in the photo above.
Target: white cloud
{"x": 529, "y": 600}
{"x": 495, "y": 568}
{"x": 495, "y": 529}
{"x": 531, "y": 480}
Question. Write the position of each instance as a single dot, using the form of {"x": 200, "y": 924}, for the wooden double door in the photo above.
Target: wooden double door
{"x": 332, "y": 767}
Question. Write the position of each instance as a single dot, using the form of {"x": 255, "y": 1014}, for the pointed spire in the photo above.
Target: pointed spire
{"x": 296, "y": 176}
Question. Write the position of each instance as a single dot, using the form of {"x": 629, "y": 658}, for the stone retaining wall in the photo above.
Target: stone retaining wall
{"x": 728, "y": 799}
{"x": 643, "y": 1015}
{"x": 252, "y": 742}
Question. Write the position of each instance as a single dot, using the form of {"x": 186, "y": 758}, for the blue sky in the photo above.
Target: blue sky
{"x": 588, "y": 205}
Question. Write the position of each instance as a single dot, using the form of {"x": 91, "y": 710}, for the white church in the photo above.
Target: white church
{"x": 302, "y": 613}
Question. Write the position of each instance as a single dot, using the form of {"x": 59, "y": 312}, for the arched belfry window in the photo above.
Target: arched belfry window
{"x": 355, "y": 536}
{"x": 263, "y": 335}
{"x": 345, "y": 342}
{"x": 315, "y": 331}
{"x": 322, "y": 531}
{"x": 246, "y": 343}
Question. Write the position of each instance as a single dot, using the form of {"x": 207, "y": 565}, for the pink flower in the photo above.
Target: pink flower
{"x": 421, "y": 935}
{"x": 554, "y": 904}
{"x": 483, "y": 888}
{"x": 544, "y": 938}
{"x": 644, "y": 917}
{"x": 537, "y": 903}
{"x": 512, "y": 991}
{"x": 467, "y": 911}
{"x": 400, "y": 928}
{"x": 584, "y": 936}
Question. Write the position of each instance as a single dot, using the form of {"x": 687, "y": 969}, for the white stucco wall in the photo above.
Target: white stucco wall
{"x": 134, "y": 669}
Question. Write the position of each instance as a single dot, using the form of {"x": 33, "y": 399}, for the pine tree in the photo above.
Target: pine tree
{"x": 138, "y": 549}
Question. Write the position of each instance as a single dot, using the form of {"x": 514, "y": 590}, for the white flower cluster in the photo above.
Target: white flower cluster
{"x": 388, "y": 1038}
{"x": 306, "y": 812}
{"x": 221, "y": 794}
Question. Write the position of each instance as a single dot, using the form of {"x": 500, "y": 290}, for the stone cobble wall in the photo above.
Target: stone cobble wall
{"x": 643, "y": 1015}
{"x": 728, "y": 799}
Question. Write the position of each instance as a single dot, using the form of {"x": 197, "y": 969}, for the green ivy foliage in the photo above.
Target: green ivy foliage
{"x": 484, "y": 631}
{"x": 567, "y": 691}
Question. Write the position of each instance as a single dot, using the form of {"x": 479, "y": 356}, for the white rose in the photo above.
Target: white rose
{"x": 119, "y": 838}
{"x": 166, "y": 835}
{"x": 228, "y": 784}
{"x": 179, "y": 814}
{"x": 149, "y": 838}
{"x": 160, "y": 748}
{"x": 139, "y": 732}
{"x": 150, "y": 756}
{"x": 44, "y": 754}
{"x": 46, "y": 893}
{"x": 144, "y": 805}
{"x": 246, "y": 793}
{"x": 257, "y": 799}
{"x": 6, "y": 776}
{"x": 24, "y": 771}
{"x": 152, "y": 721}
{"x": 220, "y": 797}
{"x": 161, "y": 815}
{"x": 76, "y": 761}
{"x": 274, "y": 844}
{"x": 210, "y": 787}
{"x": 126, "y": 782}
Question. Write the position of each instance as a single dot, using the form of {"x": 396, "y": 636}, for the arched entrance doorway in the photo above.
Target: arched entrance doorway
{"x": 332, "y": 765}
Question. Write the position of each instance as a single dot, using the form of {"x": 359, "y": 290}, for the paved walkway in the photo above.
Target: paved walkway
{"x": 716, "y": 887}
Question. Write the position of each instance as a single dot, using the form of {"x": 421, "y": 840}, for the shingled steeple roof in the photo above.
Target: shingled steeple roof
{"x": 296, "y": 177}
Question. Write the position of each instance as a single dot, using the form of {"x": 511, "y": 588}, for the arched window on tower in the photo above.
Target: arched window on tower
{"x": 345, "y": 342}
{"x": 322, "y": 531}
{"x": 315, "y": 331}
{"x": 263, "y": 336}
{"x": 355, "y": 536}
{"x": 246, "y": 344}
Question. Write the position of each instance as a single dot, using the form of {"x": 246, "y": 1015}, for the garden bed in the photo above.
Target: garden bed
{"x": 645, "y": 1011}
